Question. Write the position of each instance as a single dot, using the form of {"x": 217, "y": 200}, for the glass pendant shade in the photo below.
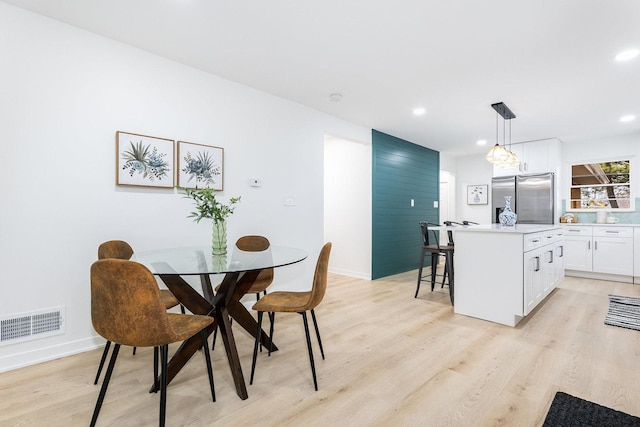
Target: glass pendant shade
{"x": 498, "y": 154}
{"x": 512, "y": 161}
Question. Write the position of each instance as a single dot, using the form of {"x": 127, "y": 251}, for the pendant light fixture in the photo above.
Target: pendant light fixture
{"x": 500, "y": 155}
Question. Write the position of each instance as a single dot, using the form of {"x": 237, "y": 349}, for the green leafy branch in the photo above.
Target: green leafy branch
{"x": 207, "y": 206}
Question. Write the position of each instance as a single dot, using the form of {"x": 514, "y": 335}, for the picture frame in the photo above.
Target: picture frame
{"x": 200, "y": 166}
{"x": 144, "y": 161}
{"x": 478, "y": 194}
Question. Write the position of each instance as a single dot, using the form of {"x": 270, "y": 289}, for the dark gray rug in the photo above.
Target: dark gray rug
{"x": 570, "y": 411}
{"x": 623, "y": 312}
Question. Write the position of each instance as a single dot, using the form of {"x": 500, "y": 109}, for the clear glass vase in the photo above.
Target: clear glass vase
{"x": 219, "y": 240}
{"x": 507, "y": 217}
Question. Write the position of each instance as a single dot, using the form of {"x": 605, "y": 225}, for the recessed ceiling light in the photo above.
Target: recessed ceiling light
{"x": 482, "y": 142}
{"x": 335, "y": 97}
{"x": 419, "y": 111}
{"x": 626, "y": 55}
{"x": 628, "y": 118}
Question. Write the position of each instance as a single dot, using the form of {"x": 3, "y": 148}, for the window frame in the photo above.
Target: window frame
{"x": 632, "y": 184}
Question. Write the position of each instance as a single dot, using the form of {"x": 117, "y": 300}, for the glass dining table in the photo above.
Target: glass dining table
{"x": 240, "y": 269}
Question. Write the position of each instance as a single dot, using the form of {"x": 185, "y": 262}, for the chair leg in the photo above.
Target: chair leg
{"x": 258, "y": 299}
{"x": 207, "y": 357}
{"x": 272, "y": 321}
{"x": 164, "y": 355}
{"x": 445, "y": 274}
{"x": 449, "y": 261}
{"x": 105, "y": 384}
{"x": 134, "y": 351}
{"x": 435, "y": 257}
{"x": 255, "y": 346}
{"x": 315, "y": 324}
{"x": 420, "y": 272}
{"x": 105, "y": 352}
{"x": 306, "y": 332}
{"x": 155, "y": 364}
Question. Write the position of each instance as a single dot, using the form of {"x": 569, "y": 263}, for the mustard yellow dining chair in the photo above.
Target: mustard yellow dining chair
{"x": 120, "y": 249}
{"x": 296, "y": 302}
{"x": 127, "y": 309}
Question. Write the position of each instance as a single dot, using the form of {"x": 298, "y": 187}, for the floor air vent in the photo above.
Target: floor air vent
{"x": 31, "y": 325}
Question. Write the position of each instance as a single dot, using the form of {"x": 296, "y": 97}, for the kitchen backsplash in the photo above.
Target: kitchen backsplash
{"x": 590, "y": 217}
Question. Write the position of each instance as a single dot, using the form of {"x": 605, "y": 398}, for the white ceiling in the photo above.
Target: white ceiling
{"x": 551, "y": 61}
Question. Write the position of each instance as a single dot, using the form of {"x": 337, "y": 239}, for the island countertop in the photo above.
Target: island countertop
{"x": 517, "y": 229}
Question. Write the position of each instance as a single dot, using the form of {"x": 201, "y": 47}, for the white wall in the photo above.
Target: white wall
{"x": 347, "y": 205}
{"x": 65, "y": 93}
{"x": 472, "y": 170}
{"x": 448, "y": 194}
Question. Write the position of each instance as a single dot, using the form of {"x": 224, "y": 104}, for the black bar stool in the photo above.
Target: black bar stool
{"x": 435, "y": 250}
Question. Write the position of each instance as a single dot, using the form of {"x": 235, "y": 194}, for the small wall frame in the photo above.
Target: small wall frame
{"x": 144, "y": 161}
{"x": 200, "y": 166}
{"x": 478, "y": 194}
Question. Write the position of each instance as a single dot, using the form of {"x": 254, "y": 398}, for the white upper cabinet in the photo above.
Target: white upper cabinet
{"x": 536, "y": 157}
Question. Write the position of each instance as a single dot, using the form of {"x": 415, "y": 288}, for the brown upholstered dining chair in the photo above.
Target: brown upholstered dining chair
{"x": 265, "y": 277}
{"x": 296, "y": 302}
{"x": 120, "y": 249}
{"x": 127, "y": 309}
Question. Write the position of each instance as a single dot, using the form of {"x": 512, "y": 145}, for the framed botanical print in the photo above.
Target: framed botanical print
{"x": 145, "y": 161}
{"x": 200, "y": 166}
{"x": 477, "y": 194}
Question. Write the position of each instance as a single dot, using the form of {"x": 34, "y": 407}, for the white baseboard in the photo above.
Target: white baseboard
{"x": 45, "y": 354}
{"x": 599, "y": 276}
{"x": 356, "y": 274}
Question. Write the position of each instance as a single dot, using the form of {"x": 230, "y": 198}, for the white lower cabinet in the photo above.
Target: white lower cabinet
{"x": 578, "y": 253}
{"x": 636, "y": 251}
{"x": 543, "y": 266}
{"x": 613, "y": 255}
{"x": 558, "y": 260}
{"x": 532, "y": 279}
{"x": 605, "y": 249}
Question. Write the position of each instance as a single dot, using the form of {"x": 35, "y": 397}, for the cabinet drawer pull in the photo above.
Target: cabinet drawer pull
{"x": 537, "y": 264}
{"x": 550, "y": 257}
{"x": 589, "y": 245}
{"x": 612, "y": 232}
{"x": 561, "y": 251}
{"x": 535, "y": 241}
{"x": 573, "y": 231}
{"x": 595, "y": 247}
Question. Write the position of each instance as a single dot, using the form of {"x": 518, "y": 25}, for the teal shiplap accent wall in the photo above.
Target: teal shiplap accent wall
{"x": 401, "y": 171}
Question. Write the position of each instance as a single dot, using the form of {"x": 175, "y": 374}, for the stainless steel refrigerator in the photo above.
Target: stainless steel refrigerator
{"x": 532, "y": 197}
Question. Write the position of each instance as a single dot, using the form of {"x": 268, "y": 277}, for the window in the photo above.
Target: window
{"x": 601, "y": 185}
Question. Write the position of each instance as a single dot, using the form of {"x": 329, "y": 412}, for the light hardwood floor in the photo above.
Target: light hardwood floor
{"x": 390, "y": 360}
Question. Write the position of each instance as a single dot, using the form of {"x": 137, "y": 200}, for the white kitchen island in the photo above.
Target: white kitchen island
{"x": 503, "y": 273}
